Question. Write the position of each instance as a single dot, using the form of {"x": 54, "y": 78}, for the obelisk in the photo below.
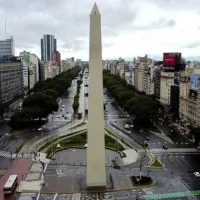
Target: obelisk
{"x": 96, "y": 171}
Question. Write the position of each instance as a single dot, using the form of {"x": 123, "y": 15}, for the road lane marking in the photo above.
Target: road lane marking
{"x": 38, "y": 196}
{"x": 55, "y": 196}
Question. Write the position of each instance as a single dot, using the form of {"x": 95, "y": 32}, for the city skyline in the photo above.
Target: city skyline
{"x": 127, "y": 29}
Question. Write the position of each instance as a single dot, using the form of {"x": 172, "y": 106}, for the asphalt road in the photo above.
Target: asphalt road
{"x": 11, "y": 142}
{"x": 4, "y": 128}
{"x": 116, "y": 117}
{"x": 64, "y": 114}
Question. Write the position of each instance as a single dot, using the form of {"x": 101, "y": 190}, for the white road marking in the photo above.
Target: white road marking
{"x": 38, "y": 196}
{"x": 55, "y": 196}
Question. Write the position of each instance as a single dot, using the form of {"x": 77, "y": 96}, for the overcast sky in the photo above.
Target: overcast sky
{"x": 129, "y": 27}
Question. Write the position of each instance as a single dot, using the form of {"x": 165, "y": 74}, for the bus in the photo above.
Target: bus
{"x": 10, "y": 185}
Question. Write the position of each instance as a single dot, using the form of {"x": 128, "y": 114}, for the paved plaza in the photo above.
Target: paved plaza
{"x": 64, "y": 178}
{"x": 79, "y": 157}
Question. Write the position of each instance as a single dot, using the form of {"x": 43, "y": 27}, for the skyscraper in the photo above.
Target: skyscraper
{"x": 7, "y": 47}
{"x": 48, "y": 46}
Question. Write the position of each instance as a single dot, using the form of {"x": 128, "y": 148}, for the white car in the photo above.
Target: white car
{"x": 127, "y": 126}
{"x": 40, "y": 129}
{"x": 63, "y": 106}
{"x": 197, "y": 174}
{"x": 132, "y": 126}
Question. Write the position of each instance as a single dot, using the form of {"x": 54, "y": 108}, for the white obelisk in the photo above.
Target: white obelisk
{"x": 96, "y": 170}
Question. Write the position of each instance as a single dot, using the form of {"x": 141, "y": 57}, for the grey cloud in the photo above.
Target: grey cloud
{"x": 176, "y": 4}
{"x": 193, "y": 45}
{"x": 171, "y": 23}
{"x": 75, "y": 45}
{"x": 159, "y": 24}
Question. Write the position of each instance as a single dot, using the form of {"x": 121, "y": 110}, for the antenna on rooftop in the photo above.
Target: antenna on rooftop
{"x": 5, "y": 28}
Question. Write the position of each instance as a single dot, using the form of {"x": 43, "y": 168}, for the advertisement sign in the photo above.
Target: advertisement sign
{"x": 169, "y": 59}
{"x": 194, "y": 81}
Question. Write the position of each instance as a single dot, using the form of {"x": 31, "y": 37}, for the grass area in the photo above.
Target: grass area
{"x": 80, "y": 140}
{"x": 19, "y": 147}
{"x": 156, "y": 163}
{"x": 143, "y": 182}
{"x": 132, "y": 138}
{"x": 47, "y": 144}
{"x": 109, "y": 132}
{"x": 78, "y": 125}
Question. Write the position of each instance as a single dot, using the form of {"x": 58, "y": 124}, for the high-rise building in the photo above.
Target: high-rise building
{"x": 157, "y": 83}
{"x": 11, "y": 79}
{"x": 30, "y": 69}
{"x": 48, "y": 46}
{"x": 7, "y": 47}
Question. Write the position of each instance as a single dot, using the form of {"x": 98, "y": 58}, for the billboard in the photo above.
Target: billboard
{"x": 194, "y": 81}
{"x": 169, "y": 59}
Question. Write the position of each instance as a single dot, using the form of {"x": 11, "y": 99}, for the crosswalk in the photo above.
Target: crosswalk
{"x": 8, "y": 155}
{"x": 170, "y": 150}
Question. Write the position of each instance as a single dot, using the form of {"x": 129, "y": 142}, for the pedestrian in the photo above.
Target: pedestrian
{"x": 22, "y": 154}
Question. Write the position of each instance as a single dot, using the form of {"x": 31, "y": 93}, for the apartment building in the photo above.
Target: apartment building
{"x": 7, "y": 47}
{"x": 136, "y": 77}
{"x": 140, "y": 74}
{"x": 156, "y": 80}
{"x": 187, "y": 99}
{"x": 30, "y": 64}
{"x": 11, "y": 78}
{"x": 50, "y": 70}
{"x": 166, "y": 80}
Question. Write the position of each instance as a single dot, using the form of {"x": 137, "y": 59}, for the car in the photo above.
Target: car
{"x": 197, "y": 174}
{"x": 127, "y": 126}
{"x": 58, "y": 116}
{"x": 40, "y": 129}
{"x": 63, "y": 106}
{"x": 60, "y": 109}
{"x": 63, "y": 115}
{"x": 131, "y": 125}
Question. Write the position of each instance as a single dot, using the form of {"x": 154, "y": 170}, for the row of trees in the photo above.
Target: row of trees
{"x": 143, "y": 108}
{"x": 42, "y": 99}
{"x": 76, "y": 97}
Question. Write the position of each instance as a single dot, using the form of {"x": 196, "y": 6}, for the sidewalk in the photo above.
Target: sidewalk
{"x": 131, "y": 156}
{"x": 35, "y": 177}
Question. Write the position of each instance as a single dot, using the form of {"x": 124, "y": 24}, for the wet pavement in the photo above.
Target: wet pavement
{"x": 79, "y": 157}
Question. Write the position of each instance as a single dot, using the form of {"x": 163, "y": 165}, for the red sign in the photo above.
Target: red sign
{"x": 169, "y": 59}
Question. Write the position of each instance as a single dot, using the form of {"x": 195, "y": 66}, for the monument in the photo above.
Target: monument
{"x": 96, "y": 170}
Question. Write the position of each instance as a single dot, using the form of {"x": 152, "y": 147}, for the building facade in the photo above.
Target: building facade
{"x": 30, "y": 64}
{"x": 56, "y": 57}
{"x": 7, "y": 47}
{"x": 48, "y": 46}
{"x": 166, "y": 80}
{"x": 156, "y": 79}
{"x": 11, "y": 78}
{"x": 50, "y": 70}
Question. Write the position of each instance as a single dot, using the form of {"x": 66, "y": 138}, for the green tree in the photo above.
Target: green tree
{"x": 44, "y": 102}
{"x": 52, "y": 93}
